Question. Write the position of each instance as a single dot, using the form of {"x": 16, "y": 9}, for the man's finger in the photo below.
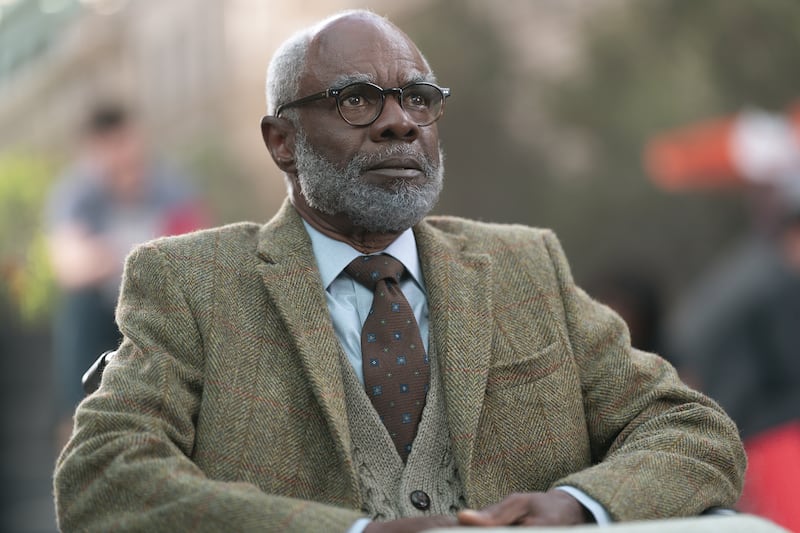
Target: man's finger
{"x": 471, "y": 517}
{"x": 505, "y": 513}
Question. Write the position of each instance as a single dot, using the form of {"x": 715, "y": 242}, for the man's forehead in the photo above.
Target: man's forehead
{"x": 360, "y": 48}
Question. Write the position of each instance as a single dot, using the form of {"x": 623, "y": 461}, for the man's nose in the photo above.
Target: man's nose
{"x": 394, "y": 123}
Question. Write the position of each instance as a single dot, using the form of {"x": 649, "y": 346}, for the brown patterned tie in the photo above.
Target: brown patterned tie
{"x": 396, "y": 367}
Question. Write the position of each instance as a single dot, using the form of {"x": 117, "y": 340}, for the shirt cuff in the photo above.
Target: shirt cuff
{"x": 359, "y": 525}
{"x": 599, "y": 513}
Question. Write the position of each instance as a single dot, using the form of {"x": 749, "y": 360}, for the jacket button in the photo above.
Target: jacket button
{"x": 420, "y": 500}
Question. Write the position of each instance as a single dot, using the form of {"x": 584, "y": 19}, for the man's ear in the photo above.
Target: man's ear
{"x": 278, "y": 134}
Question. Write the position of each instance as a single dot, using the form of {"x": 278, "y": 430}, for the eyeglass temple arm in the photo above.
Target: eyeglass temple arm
{"x": 305, "y": 99}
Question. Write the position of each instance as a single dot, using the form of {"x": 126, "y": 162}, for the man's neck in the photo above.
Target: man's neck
{"x": 340, "y": 228}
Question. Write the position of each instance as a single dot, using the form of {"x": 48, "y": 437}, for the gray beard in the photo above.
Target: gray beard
{"x": 374, "y": 208}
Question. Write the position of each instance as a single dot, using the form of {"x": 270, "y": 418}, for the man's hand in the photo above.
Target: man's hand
{"x": 551, "y": 508}
{"x": 80, "y": 259}
{"x": 411, "y": 525}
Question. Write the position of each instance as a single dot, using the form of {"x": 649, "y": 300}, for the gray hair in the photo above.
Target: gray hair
{"x": 289, "y": 61}
{"x": 283, "y": 73}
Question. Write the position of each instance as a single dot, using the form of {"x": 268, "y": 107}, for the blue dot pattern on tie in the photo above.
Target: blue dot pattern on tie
{"x": 396, "y": 367}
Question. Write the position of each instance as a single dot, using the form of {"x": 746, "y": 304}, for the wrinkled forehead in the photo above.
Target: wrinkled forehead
{"x": 361, "y": 48}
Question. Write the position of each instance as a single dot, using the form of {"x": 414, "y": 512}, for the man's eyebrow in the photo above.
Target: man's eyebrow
{"x": 347, "y": 79}
{"x": 418, "y": 76}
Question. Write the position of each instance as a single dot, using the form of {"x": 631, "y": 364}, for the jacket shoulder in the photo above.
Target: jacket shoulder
{"x": 233, "y": 239}
{"x": 477, "y": 236}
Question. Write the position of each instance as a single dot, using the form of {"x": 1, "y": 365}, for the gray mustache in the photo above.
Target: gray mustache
{"x": 363, "y": 161}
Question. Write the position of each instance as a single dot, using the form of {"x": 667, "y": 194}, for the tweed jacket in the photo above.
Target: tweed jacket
{"x": 224, "y": 409}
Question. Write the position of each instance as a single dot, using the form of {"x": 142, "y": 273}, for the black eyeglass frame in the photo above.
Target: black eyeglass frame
{"x": 335, "y": 92}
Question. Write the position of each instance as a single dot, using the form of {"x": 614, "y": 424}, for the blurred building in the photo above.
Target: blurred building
{"x": 194, "y": 69}
{"x": 170, "y": 61}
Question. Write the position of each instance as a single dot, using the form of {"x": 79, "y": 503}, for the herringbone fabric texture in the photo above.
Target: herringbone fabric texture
{"x": 396, "y": 369}
{"x": 225, "y": 410}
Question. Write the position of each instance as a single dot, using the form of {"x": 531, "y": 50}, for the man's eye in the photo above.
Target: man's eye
{"x": 354, "y": 100}
{"x": 417, "y": 100}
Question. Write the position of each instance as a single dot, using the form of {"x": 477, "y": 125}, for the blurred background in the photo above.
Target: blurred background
{"x": 660, "y": 139}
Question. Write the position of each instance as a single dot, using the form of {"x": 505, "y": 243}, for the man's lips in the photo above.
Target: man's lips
{"x": 397, "y": 164}
{"x": 405, "y": 167}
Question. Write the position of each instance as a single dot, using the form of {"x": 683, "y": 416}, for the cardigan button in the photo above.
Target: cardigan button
{"x": 420, "y": 500}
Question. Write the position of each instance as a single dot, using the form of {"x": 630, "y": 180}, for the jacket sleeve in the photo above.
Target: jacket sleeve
{"x": 659, "y": 448}
{"x": 128, "y": 464}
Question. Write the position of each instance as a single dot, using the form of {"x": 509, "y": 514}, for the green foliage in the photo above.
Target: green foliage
{"x": 658, "y": 64}
{"x": 27, "y": 281}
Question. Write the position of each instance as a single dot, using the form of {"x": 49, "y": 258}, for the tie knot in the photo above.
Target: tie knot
{"x": 368, "y": 270}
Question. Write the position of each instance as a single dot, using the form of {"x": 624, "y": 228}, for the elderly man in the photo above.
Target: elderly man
{"x": 275, "y": 377}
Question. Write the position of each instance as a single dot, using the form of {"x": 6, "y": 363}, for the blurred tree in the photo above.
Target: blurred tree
{"x": 27, "y": 282}
{"x": 655, "y": 65}
{"x": 488, "y": 176}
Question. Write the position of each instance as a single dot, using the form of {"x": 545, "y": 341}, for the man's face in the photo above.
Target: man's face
{"x": 385, "y": 176}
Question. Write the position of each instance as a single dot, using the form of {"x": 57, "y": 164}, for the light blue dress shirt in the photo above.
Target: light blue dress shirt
{"x": 349, "y": 303}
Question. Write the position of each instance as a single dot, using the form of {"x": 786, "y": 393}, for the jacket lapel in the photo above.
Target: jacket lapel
{"x": 459, "y": 298}
{"x": 291, "y": 278}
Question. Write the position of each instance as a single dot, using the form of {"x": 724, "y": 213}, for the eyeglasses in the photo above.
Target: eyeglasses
{"x": 361, "y": 103}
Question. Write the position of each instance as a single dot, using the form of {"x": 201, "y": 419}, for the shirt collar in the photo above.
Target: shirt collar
{"x": 333, "y": 256}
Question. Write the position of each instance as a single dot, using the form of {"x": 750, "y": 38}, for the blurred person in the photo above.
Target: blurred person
{"x": 738, "y": 334}
{"x": 275, "y": 377}
{"x": 738, "y": 331}
{"x": 115, "y": 196}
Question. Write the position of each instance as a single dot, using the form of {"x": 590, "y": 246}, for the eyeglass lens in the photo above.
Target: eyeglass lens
{"x": 361, "y": 103}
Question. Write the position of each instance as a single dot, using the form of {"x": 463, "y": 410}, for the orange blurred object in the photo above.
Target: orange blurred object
{"x": 695, "y": 156}
{"x": 750, "y": 146}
